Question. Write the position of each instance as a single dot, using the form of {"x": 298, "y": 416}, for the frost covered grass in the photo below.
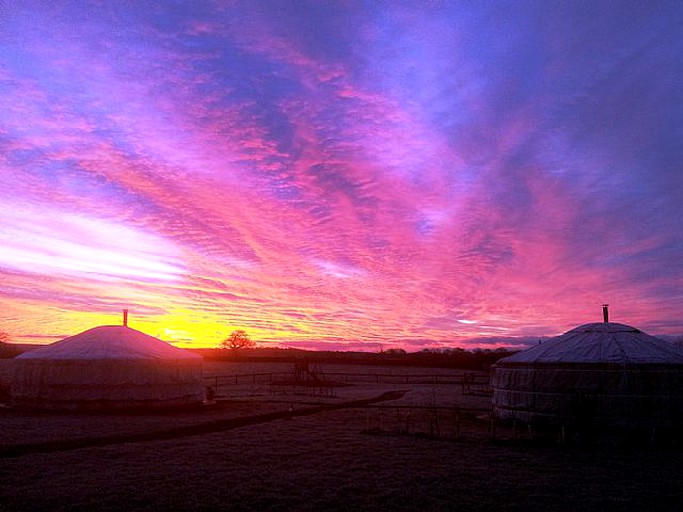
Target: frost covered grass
{"x": 323, "y": 461}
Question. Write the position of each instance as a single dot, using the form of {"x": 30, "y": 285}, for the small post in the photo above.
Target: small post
{"x": 605, "y": 313}
{"x": 125, "y": 317}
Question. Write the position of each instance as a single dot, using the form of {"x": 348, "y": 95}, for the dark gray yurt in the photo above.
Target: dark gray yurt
{"x": 603, "y": 374}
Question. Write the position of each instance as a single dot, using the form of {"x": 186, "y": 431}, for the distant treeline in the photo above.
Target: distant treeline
{"x": 9, "y": 350}
{"x": 439, "y": 358}
{"x": 435, "y": 358}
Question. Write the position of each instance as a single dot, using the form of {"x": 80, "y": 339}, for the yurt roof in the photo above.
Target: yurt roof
{"x": 109, "y": 342}
{"x": 605, "y": 342}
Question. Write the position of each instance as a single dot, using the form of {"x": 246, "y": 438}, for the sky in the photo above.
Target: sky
{"x": 357, "y": 175}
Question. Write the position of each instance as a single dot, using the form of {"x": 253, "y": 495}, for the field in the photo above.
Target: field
{"x": 394, "y": 439}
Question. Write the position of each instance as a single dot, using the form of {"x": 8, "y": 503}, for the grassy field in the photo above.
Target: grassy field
{"x": 427, "y": 447}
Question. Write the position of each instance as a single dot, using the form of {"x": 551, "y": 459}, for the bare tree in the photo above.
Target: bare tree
{"x": 237, "y": 339}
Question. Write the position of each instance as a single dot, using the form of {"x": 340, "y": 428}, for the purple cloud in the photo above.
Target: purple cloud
{"x": 419, "y": 176}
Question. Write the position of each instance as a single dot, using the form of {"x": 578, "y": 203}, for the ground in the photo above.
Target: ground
{"x": 430, "y": 449}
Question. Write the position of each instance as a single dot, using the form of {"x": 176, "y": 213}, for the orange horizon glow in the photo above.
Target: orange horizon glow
{"x": 186, "y": 329}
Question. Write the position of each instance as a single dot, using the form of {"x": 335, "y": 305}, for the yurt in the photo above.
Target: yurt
{"x": 599, "y": 374}
{"x": 104, "y": 368}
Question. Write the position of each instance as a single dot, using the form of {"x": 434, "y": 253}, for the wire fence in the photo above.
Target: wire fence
{"x": 470, "y": 383}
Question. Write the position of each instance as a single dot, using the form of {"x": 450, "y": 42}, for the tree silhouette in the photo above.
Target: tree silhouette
{"x": 7, "y": 349}
{"x": 237, "y": 339}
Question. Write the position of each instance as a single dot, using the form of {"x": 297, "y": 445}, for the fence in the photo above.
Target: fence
{"x": 470, "y": 383}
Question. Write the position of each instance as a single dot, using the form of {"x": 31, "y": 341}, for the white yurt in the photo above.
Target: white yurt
{"x": 107, "y": 367}
{"x": 603, "y": 374}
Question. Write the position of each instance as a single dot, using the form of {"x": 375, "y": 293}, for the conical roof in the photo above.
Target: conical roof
{"x": 109, "y": 342}
{"x": 605, "y": 342}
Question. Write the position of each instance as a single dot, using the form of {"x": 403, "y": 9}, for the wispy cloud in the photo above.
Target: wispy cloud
{"x": 343, "y": 174}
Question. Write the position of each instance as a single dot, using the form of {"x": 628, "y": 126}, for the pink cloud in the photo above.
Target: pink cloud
{"x": 226, "y": 168}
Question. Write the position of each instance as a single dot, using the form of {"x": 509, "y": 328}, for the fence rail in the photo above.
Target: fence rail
{"x": 470, "y": 382}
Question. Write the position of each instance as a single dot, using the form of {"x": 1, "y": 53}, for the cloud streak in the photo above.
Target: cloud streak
{"x": 343, "y": 174}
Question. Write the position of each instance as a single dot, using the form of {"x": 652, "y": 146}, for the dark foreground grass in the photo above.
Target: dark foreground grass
{"x": 325, "y": 462}
{"x": 193, "y": 430}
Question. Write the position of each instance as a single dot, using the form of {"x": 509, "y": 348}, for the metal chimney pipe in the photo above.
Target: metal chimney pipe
{"x": 125, "y": 317}
{"x": 605, "y": 313}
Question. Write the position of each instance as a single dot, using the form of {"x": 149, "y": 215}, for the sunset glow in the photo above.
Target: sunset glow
{"x": 341, "y": 175}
